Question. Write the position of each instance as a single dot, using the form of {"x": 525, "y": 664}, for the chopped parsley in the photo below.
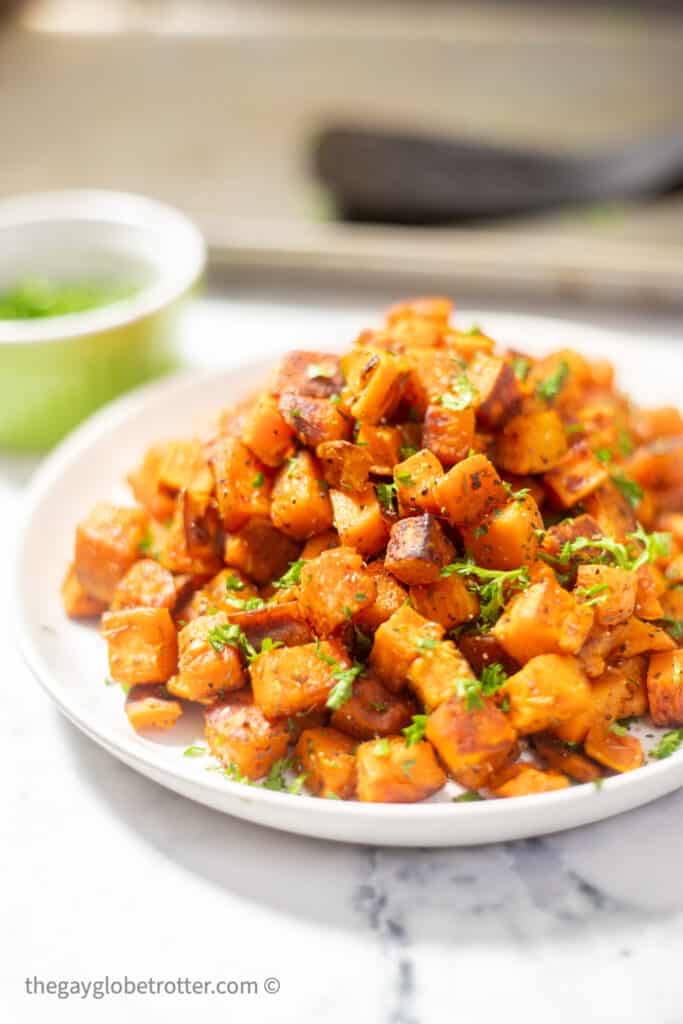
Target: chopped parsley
{"x": 469, "y": 796}
{"x": 461, "y": 395}
{"x": 427, "y": 643}
{"x": 382, "y": 747}
{"x": 668, "y": 745}
{"x": 472, "y": 690}
{"x": 618, "y": 729}
{"x": 230, "y": 635}
{"x": 248, "y": 604}
{"x": 519, "y": 495}
{"x": 654, "y": 546}
{"x": 551, "y": 385}
{"x": 414, "y": 732}
{"x": 314, "y": 370}
{"x": 234, "y": 583}
{"x": 258, "y": 480}
{"x": 405, "y": 478}
{"x": 520, "y": 367}
{"x": 146, "y": 543}
{"x": 386, "y": 495}
{"x": 407, "y": 450}
{"x": 624, "y": 442}
{"x": 603, "y": 455}
{"x": 292, "y": 577}
{"x": 674, "y": 627}
{"x": 631, "y": 490}
{"x": 197, "y": 750}
{"x": 344, "y": 678}
{"x": 593, "y": 595}
{"x": 491, "y": 585}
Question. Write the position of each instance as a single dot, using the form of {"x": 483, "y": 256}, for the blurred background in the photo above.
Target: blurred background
{"x": 215, "y": 106}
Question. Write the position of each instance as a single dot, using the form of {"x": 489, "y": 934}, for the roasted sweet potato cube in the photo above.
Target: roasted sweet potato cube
{"x": 471, "y": 743}
{"x": 144, "y": 483}
{"x": 184, "y": 468}
{"x": 620, "y": 692}
{"x": 345, "y": 466}
{"x": 611, "y": 511}
{"x": 327, "y": 757}
{"x": 659, "y": 463}
{"x": 418, "y": 549}
{"x": 532, "y": 443}
{"x": 650, "y": 585}
{"x": 239, "y": 735}
{"x": 549, "y": 690}
{"x": 282, "y": 623}
{"x": 390, "y": 772}
{"x": 617, "y": 752}
{"x": 470, "y": 491}
{"x": 206, "y": 665}
{"x": 375, "y": 381}
{"x": 562, "y": 758}
{"x": 398, "y": 642}
{"x": 636, "y": 637}
{"x": 316, "y": 374}
{"x": 219, "y": 594}
{"x": 499, "y": 392}
{"x": 448, "y": 433}
{"x": 150, "y": 707}
{"x": 314, "y": 420}
{"x": 435, "y": 308}
{"x": 146, "y": 585}
{"x": 77, "y": 603}
{"x": 242, "y": 488}
{"x": 432, "y": 373}
{"x": 483, "y": 649}
{"x": 300, "y": 502}
{"x": 435, "y": 675}
{"x": 569, "y": 530}
{"x": 543, "y": 619}
{"x": 373, "y": 710}
{"x": 390, "y": 595}
{"x": 665, "y": 688}
{"x": 191, "y": 544}
{"x": 334, "y": 588}
{"x": 415, "y": 479}
{"x": 266, "y": 433}
{"x": 107, "y": 544}
{"x": 575, "y": 476}
{"x": 293, "y": 679}
{"x": 315, "y": 546}
{"x": 610, "y": 591}
{"x": 447, "y": 601}
{"x": 383, "y": 445}
{"x": 508, "y": 537}
{"x": 142, "y": 645}
{"x": 528, "y": 781}
{"x": 260, "y": 550}
{"x": 359, "y": 521}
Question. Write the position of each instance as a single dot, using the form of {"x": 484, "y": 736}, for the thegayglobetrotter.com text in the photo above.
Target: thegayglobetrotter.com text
{"x": 107, "y": 987}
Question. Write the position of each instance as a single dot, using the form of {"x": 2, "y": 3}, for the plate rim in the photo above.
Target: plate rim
{"x": 99, "y": 425}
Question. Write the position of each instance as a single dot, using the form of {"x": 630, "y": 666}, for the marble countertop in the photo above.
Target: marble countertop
{"x": 106, "y": 873}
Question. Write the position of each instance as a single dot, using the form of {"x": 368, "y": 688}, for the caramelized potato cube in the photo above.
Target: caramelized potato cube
{"x": 314, "y": 546}
{"x": 145, "y": 485}
{"x": 448, "y": 433}
{"x": 77, "y": 603}
{"x": 146, "y": 585}
{"x": 434, "y": 676}
{"x": 470, "y": 491}
{"x": 375, "y": 380}
{"x": 239, "y": 735}
{"x": 571, "y": 529}
{"x": 659, "y": 463}
{"x": 415, "y": 479}
{"x": 434, "y": 308}
{"x": 334, "y": 588}
{"x": 373, "y": 710}
{"x": 314, "y": 421}
{"x": 508, "y": 538}
{"x": 383, "y": 445}
{"x": 142, "y": 645}
{"x": 389, "y": 772}
{"x": 575, "y": 476}
{"x": 219, "y": 594}
{"x": 150, "y": 707}
{"x": 191, "y": 544}
{"x": 532, "y": 443}
{"x": 447, "y": 601}
{"x": 650, "y": 585}
{"x": 543, "y": 619}
{"x": 483, "y": 649}
{"x": 528, "y": 781}
{"x": 619, "y": 753}
{"x": 499, "y": 393}
{"x": 281, "y": 622}
{"x": 184, "y": 468}
{"x": 561, "y": 758}
{"x": 266, "y": 433}
{"x": 665, "y": 688}
{"x": 390, "y": 595}
{"x": 549, "y": 690}
{"x": 327, "y": 757}
{"x": 611, "y": 510}
{"x": 471, "y": 743}
{"x": 398, "y": 642}
{"x": 418, "y": 549}
{"x": 359, "y": 521}
{"x": 107, "y": 544}
{"x": 345, "y": 466}
{"x": 206, "y": 668}
{"x": 610, "y": 591}
{"x": 293, "y": 679}
{"x": 260, "y": 550}
{"x": 316, "y": 374}
{"x": 242, "y": 489}
{"x": 300, "y": 502}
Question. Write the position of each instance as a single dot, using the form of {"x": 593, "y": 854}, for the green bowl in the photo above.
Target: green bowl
{"x": 55, "y": 371}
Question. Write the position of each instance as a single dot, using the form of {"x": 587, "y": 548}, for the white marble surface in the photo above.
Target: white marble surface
{"x": 103, "y": 872}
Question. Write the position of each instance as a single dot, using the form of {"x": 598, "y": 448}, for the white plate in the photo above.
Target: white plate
{"x": 69, "y": 659}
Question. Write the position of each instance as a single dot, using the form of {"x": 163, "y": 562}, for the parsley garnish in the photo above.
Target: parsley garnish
{"x": 624, "y": 442}
{"x": 603, "y": 455}
{"x": 258, "y": 480}
{"x": 230, "y": 635}
{"x": 469, "y": 796}
{"x": 519, "y": 495}
{"x": 669, "y": 744}
{"x": 197, "y": 750}
{"x": 386, "y": 493}
{"x": 551, "y": 386}
{"x": 234, "y": 583}
{"x": 461, "y": 395}
{"x": 655, "y": 546}
{"x": 491, "y": 588}
{"x": 427, "y": 643}
{"x": 292, "y": 577}
{"x": 405, "y": 478}
{"x": 146, "y": 543}
{"x": 593, "y": 595}
{"x": 674, "y": 627}
{"x": 618, "y": 729}
{"x": 249, "y": 604}
{"x": 342, "y": 690}
{"x": 520, "y": 367}
{"x": 382, "y": 747}
{"x": 407, "y": 451}
{"x": 318, "y": 370}
{"x": 631, "y": 490}
{"x": 414, "y": 732}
